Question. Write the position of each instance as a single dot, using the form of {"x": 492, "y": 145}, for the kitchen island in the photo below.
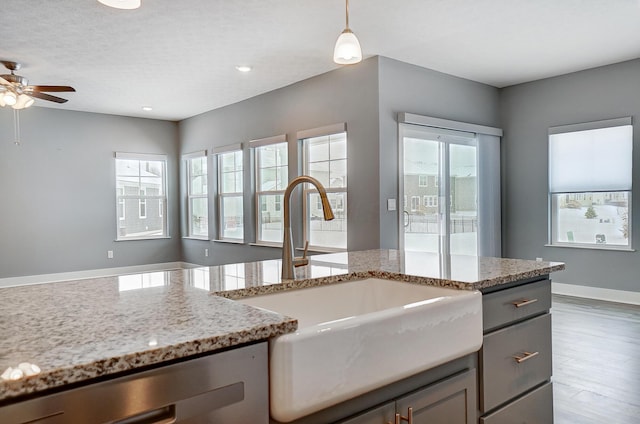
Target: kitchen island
{"x": 80, "y": 332}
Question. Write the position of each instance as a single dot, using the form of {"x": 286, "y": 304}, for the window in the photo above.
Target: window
{"x": 422, "y": 180}
{"x": 141, "y": 196}
{"x": 415, "y": 203}
{"x": 590, "y": 168}
{"x": 197, "y": 195}
{"x": 271, "y": 179}
{"x": 121, "y": 207}
{"x": 325, "y": 158}
{"x": 230, "y": 192}
{"x": 142, "y": 205}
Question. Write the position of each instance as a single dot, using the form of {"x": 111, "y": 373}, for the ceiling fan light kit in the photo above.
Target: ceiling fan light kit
{"x": 121, "y": 4}
{"x": 347, "y": 50}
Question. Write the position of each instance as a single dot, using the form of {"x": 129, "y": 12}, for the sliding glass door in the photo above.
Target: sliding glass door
{"x": 440, "y": 190}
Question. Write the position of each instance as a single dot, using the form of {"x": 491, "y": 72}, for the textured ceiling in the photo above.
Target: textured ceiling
{"x": 179, "y": 56}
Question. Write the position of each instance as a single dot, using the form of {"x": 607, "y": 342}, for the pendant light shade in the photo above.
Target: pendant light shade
{"x": 347, "y": 50}
{"x": 121, "y": 4}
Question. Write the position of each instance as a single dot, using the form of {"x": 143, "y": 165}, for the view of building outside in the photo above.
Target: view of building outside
{"x": 326, "y": 160}
{"x": 591, "y": 218}
{"x": 422, "y": 173}
{"x": 141, "y": 198}
{"x": 230, "y": 195}
{"x": 272, "y": 176}
{"x": 198, "y": 197}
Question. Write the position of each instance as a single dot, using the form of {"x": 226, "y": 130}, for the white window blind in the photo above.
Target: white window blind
{"x": 597, "y": 159}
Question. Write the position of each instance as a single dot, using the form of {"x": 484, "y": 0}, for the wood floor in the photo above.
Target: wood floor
{"x": 596, "y": 361}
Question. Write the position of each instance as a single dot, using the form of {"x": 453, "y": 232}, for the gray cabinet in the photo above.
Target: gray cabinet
{"x": 515, "y": 360}
{"x": 535, "y": 407}
{"x": 451, "y": 401}
{"x": 227, "y": 387}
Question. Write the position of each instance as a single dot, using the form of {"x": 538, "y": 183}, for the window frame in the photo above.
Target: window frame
{"x": 191, "y": 197}
{"x": 256, "y": 146}
{"x": 121, "y": 199}
{"x": 304, "y": 137}
{"x": 220, "y": 195}
{"x": 586, "y": 196}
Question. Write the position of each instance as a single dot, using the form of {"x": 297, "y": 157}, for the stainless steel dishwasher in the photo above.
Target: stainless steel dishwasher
{"x": 226, "y": 387}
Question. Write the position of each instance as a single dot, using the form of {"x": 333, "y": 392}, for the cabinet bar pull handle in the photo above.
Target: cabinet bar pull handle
{"x": 525, "y": 356}
{"x": 408, "y": 418}
{"x": 521, "y": 303}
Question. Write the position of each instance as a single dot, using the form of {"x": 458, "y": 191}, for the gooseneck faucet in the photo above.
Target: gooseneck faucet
{"x": 289, "y": 261}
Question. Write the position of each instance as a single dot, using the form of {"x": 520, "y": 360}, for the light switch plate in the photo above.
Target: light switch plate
{"x": 391, "y": 204}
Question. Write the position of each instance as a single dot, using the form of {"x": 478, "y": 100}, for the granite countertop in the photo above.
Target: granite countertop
{"x": 79, "y": 330}
{"x": 76, "y": 331}
{"x": 453, "y": 271}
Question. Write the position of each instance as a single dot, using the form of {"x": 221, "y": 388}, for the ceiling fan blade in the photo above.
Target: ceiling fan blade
{"x": 49, "y": 88}
{"x": 48, "y": 97}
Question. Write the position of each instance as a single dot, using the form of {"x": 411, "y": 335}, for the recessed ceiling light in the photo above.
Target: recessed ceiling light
{"x": 147, "y": 108}
{"x": 243, "y": 68}
{"x": 121, "y": 4}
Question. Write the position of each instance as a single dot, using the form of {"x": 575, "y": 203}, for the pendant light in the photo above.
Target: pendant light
{"x": 347, "y": 50}
{"x": 121, "y": 4}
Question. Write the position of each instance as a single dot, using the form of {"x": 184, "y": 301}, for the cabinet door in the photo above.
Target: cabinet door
{"x": 384, "y": 414}
{"x": 452, "y": 401}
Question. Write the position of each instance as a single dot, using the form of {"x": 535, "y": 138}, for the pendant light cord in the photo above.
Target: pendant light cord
{"x": 347, "y": 12}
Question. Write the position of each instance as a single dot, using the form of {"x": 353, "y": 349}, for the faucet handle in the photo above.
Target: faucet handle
{"x": 303, "y": 260}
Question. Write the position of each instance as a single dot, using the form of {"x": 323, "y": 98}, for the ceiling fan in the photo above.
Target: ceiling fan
{"x": 16, "y": 92}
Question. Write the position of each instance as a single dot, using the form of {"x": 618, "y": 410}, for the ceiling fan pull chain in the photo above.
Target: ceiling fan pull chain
{"x": 16, "y": 127}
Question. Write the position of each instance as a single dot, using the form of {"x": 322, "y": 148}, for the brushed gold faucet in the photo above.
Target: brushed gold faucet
{"x": 289, "y": 261}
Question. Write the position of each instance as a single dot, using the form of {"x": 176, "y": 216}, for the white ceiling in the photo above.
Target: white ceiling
{"x": 179, "y": 56}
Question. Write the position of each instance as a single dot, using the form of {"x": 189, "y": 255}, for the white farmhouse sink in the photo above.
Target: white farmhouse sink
{"x": 357, "y": 336}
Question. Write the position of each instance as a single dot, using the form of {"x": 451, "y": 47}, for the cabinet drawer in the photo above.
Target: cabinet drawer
{"x": 533, "y": 408}
{"x": 503, "y": 307}
{"x": 514, "y": 360}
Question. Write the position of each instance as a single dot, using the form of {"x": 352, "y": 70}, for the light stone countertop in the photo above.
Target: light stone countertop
{"x": 76, "y": 331}
{"x": 454, "y": 271}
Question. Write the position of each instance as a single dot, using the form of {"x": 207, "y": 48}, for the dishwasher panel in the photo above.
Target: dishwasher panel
{"x": 227, "y": 387}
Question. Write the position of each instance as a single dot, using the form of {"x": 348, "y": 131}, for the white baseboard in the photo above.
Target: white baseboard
{"x": 597, "y": 293}
{"x": 91, "y": 273}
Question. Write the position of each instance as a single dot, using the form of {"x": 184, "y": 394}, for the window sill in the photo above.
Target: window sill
{"x": 143, "y": 238}
{"x": 229, "y": 241}
{"x": 595, "y": 247}
{"x": 196, "y": 238}
{"x": 275, "y": 245}
{"x": 321, "y": 249}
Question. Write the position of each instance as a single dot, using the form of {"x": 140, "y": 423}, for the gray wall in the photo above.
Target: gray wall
{"x": 409, "y": 88}
{"x": 349, "y": 95}
{"x": 528, "y": 110}
{"x": 58, "y": 210}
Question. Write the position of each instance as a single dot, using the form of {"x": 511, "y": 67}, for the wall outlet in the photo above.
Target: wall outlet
{"x": 539, "y": 259}
{"x": 109, "y": 254}
{"x": 206, "y": 252}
